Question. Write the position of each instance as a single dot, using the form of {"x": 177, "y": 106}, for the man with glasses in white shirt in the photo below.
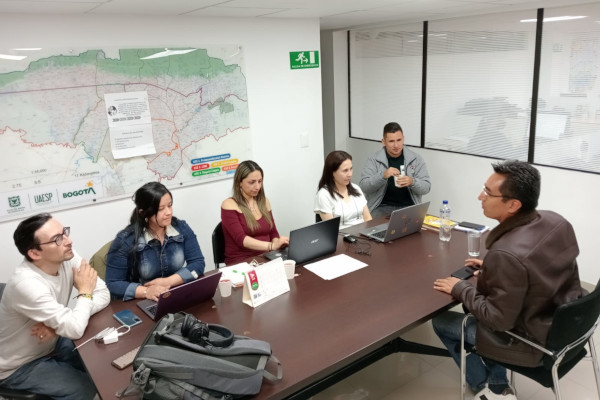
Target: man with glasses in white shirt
{"x": 36, "y": 348}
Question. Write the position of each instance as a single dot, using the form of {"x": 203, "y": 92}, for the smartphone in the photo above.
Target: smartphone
{"x": 471, "y": 225}
{"x": 127, "y": 317}
{"x": 464, "y": 273}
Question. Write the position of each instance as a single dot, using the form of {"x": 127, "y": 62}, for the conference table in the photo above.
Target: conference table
{"x": 321, "y": 330}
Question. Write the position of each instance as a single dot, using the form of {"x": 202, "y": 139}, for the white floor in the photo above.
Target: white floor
{"x": 411, "y": 376}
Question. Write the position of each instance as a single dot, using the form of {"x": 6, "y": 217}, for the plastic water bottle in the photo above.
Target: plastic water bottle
{"x": 445, "y": 222}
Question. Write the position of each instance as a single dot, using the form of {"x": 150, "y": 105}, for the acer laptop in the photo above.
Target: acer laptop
{"x": 310, "y": 242}
{"x": 183, "y": 296}
{"x": 403, "y": 222}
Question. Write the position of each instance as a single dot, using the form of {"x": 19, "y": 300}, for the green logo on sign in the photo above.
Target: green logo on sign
{"x": 14, "y": 201}
{"x": 304, "y": 59}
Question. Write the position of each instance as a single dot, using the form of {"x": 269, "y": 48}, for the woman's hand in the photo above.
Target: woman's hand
{"x": 280, "y": 242}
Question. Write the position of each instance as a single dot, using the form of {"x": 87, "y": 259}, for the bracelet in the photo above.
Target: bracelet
{"x": 86, "y": 295}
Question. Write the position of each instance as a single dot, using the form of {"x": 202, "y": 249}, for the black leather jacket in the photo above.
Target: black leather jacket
{"x": 529, "y": 270}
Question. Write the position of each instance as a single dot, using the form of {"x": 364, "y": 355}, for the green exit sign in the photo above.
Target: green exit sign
{"x": 304, "y": 59}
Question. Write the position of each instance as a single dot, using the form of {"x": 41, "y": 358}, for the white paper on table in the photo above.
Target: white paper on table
{"x": 336, "y": 266}
{"x": 235, "y": 273}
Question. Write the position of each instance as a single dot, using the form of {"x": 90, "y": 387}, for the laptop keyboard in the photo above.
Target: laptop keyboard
{"x": 380, "y": 234}
{"x": 152, "y": 309}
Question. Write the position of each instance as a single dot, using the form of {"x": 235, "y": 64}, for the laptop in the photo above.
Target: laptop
{"x": 403, "y": 222}
{"x": 183, "y": 296}
{"x": 310, "y": 242}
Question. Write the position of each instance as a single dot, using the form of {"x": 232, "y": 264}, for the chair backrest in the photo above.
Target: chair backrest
{"x": 318, "y": 217}
{"x": 218, "y": 244}
{"x": 572, "y": 321}
{"x": 98, "y": 260}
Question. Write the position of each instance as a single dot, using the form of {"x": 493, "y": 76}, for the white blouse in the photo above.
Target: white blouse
{"x": 351, "y": 212}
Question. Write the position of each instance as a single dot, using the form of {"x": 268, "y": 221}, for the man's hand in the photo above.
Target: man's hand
{"x": 84, "y": 278}
{"x": 446, "y": 284}
{"x": 42, "y": 332}
{"x": 403, "y": 181}
{"x": 391, "y": 171}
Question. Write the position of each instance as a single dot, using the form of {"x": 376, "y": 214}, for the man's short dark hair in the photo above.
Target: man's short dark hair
{"x": 522, "y": 182}
{"x": 391, "y": 127}
{"x": 24, "y": 235}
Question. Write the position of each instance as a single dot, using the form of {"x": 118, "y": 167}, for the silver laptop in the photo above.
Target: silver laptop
{"x": 310, "y": 242}
{"x": 403, "y": 222}
{"x": 183, "y": 296}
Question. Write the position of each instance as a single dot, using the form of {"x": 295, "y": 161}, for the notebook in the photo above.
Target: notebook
{"x": 310, "y": 242}
{"x": 183, "y": 296}
{"x": 403, "y": 222}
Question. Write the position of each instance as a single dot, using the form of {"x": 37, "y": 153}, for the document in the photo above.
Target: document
{"x": 336, "y": 266}
{"x": 130, "y": 124}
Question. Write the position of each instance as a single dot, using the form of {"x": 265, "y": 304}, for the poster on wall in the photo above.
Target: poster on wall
{"x": 55, "y": 135}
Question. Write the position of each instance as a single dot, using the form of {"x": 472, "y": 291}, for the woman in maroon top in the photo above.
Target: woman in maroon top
{"x": 246, "y": 217}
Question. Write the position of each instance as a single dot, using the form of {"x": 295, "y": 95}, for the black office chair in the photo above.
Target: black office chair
{"x": 15, "y": 394}
{"x": 218, "y": 244}
{"x": 318, "y": 217}
{"x": 572, "y": 328}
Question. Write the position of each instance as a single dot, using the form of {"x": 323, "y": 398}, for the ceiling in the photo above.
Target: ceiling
{"x": 333, "y": 14}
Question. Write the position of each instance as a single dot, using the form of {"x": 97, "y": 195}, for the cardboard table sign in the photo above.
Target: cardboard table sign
{"x": 265, "y": 282}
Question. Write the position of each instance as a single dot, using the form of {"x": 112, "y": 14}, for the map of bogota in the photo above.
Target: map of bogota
{"x": 54, "y": 134}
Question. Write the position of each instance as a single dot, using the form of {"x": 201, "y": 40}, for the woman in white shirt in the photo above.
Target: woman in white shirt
{"x": 337, "y": 195}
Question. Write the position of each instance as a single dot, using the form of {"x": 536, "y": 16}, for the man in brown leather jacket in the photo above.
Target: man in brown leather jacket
{"x": 529, "y": 270}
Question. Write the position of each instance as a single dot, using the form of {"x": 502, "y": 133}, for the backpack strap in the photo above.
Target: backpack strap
{"x": 269, "y": 376}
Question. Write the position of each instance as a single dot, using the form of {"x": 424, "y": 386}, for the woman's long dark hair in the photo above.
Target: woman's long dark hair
{"x": 332, "y": 164}
{"x": 147, "y": 202}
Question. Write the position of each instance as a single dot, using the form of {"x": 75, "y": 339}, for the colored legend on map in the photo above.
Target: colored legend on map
{"x": 211, "y": 158}
{"x": 206, "y": 172}
{"x": 229, "y": 168}
{"x": 226, "y": 162}
{"x": 199, "y": 167}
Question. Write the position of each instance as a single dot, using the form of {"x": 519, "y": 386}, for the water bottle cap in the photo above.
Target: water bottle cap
{"x": 445, "y": 202}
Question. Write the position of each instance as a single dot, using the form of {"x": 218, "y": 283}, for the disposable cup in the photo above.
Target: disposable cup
{"x": 225, "y": 287}
{"x": 290, "y": 268}
{"x": 473, "y": 242}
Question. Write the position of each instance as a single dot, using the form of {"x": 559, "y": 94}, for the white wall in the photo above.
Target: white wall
{"x": 283, "y": 104}
{"x": 459, "y": 178}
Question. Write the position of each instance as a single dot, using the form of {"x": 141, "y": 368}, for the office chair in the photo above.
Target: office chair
{"x": 14, "y": 394}
{"x": 318, "y": 217}
{"x": 98, "y": 260}
{"x": 218, "y": 244}
{"x": 573, "y": 326}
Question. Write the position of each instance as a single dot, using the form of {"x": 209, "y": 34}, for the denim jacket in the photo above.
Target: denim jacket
{"x": 179, "y": 253}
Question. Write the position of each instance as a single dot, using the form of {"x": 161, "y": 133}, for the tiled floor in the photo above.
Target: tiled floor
{"x": 415, "y": 377}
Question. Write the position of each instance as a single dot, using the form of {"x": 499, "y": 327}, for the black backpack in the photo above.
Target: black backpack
{"x": 184, "y": 358}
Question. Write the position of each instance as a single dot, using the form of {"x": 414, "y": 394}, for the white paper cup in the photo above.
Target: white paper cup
{"x": 473, "y": 243}
{"x": 225, "y": 287}
{"x": 290, "y": 268}
{"x": 396, "y": 180}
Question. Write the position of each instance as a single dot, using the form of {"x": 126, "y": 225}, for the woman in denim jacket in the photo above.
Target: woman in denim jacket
{"x": 155, "y": 251}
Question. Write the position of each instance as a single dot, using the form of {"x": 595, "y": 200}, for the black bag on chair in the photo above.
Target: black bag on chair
{"x": 184, "y": 358}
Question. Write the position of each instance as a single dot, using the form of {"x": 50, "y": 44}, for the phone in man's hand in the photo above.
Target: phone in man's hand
{"x": 464, "y": 273}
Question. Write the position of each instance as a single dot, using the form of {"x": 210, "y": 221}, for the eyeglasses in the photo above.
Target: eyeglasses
{"x": 58, "y": 239}
{"x": 486, "y": 194}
